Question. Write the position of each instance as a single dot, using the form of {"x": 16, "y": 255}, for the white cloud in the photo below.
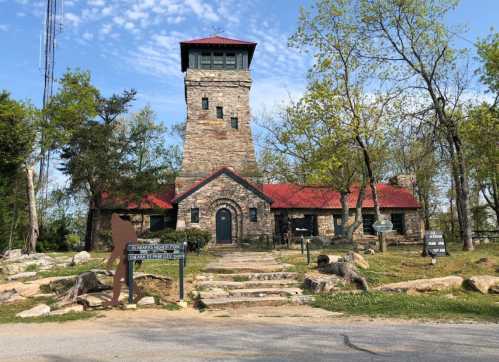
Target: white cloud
{"x": 106, "y": 29}
{"x": 72, "y": 19}
{"x": 87, "y": 36}
{"x": 202, "y": 10}
{"x": 96, "y": 2}
{"x": 4, "y": 27}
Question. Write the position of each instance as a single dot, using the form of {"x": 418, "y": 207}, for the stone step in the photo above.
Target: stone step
{"x": 244, "y": 268}
{"x": 234, "y": 302}
{"x": 250, "y": 284}
{"x": 242, "y": 277}
{"x": 256, "y": 292}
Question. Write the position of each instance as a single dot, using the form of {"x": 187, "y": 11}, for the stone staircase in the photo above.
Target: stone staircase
{"x": 240, "y": 279}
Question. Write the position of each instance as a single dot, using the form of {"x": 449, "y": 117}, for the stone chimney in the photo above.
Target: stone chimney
{"x": 405, "y": 181}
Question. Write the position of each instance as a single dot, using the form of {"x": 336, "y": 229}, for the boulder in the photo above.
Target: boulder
{"x": 423, "y": 285}
{"x": 483, "y": 283}
{"x": 39, "y": 311}
{"x": 326, "y": 259}
{"x": 11, "y": 295}
{"x": 146, "y": 301}
{"x": 80, "y": 258}
{"x": 357, "y": 259}
{"x": 70, "y": 309}
{"x": 22, "y": 276}
{"x": 320, "y": 283}
{"x": 100, "y": 299}
{"x": 13, "y": 253}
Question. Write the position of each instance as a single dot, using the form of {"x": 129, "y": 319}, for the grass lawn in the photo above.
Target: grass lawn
{"x": 406, "y": 263}
{"x": 168, "y": 268}
{"x": 8, "y": 312}
{"x": 466, "y": 306}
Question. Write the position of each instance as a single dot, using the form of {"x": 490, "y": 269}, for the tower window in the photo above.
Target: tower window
{"x": 220, "y": 112}
{"x": 205, "y": 60}
{"x": 230, "y": 60}
{"x": 234, "y": 122}
{"x": 218, "y": 60}
{"x": 204, "y": 103}
{"x": 195, "y": 215}
{"x": 253, "y": 214}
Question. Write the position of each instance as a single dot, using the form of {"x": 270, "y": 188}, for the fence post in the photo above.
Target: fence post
{"x": 130, "y": 281}
{"x": 308, "y": 252}
{"x": 185, "y": 253}
{"x": 181, "y": 278}
{"x": 301, "y": 242}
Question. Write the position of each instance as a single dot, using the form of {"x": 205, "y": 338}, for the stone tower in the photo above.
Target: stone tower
{"x": 218, "y": 130}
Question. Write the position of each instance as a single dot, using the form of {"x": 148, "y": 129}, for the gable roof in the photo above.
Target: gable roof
{"x": 157, "y": 200}
{"x": 216, "y": 40}
{"x": 292, "y": 196}
{"x": 223, "y": 171}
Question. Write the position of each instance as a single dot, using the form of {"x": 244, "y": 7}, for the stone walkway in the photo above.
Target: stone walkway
{"x": 239, "y": 279}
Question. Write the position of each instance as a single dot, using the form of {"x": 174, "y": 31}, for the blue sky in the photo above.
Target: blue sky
{"x": 134, "y": 44}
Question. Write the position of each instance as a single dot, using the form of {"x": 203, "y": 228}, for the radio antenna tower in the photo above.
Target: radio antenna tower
{"x": 53, "y": 23}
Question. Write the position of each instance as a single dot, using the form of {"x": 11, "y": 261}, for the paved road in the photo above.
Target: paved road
{"x": 170, "y": 336}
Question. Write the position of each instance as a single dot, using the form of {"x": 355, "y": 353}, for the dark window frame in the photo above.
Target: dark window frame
{"x": 218, "y": 60}
{"x": 398, "y": 225}
{"x": 367, "y": 227}
{"x": 253, "y": 214}
{"x": 233, "y": 61}
{"x": 195, "y": 215}
{"x": 204, "y": 64}
{"x": 234, "y": 122}
{"x": 155, "y": 225}
{"x": 220, "y": 112}
{"x": 205, "y": 103}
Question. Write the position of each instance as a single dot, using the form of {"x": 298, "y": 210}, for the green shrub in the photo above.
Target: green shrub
{"x": 196, "y": 238}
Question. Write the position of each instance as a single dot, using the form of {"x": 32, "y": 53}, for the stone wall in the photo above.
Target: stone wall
{"x": 224, "y": 192}
{"x": 211, "y": 143}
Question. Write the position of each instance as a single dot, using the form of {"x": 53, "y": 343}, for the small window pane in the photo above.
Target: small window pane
{"x": 220, "y": 112}
{"x": 195, "y": 215}
{"x": 218, "y": 61}
{"x": 398, "y": 223}
{"x": 253, "y": 214}
{"x": 230, "y": 61}
{"x": 157, "y": 222}
{"x": 234, "y": 122}
{"x": 367, "y": 224}
{"x": 206, "y": 60}
{"x": 205, "y": 103}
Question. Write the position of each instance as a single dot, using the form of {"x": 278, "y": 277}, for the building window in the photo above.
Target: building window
{"x": 156, "y": 222}
{"x": 220, "y": 112}
{"x": 234, "y": 122}
{"x": 218, "y": 60}
{"x": 230, "y": 60}
{"x": 206, "y": 60}
{"x": 367, "y": 224}
{"x": 205, "y": 103}
{"x": 195, "y": 215}
{"x": 398, "y": 223}
{"x": 253, "y": 214}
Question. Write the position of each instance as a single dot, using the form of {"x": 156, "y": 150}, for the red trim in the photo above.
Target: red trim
{"x": 217, "y": 40}
{"x": 157, "y": 200}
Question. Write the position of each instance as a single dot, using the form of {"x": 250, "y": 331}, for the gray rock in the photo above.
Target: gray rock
{"x": 13, "y": 253}
{"x": 424, "y": 285}
{"x": 320, "y": 283}
{"x": 357, "y": 259}
{"x": 483, "y": 283}
{"x": 146, "y": 301}
{"x": 8, "y": 296}
{"x": 39, "y": 311}
{"x": 80, "y": 258}
{"x": 22, "y": 275}
{"x": 73, "y": 308}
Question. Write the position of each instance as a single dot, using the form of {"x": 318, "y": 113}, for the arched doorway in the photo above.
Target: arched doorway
{"x": 224, "y": 226}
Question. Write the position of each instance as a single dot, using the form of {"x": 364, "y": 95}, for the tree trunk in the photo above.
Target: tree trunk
{"x": 350, "y": 230}
{"x": 88, "y": 228}
{"x": 463, "y": 196}
{"x": 372, "y": 184}
{"x": 345, "y": 211}
{"x": 33, "y": 217}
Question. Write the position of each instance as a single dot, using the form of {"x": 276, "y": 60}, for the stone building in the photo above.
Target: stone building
{"x": 218, "y": 189}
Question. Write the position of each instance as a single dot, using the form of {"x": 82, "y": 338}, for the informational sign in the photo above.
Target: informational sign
{"x": 383, "y": 226}
{"x": 137, "y": 252}
{"x": 434, "y": 244}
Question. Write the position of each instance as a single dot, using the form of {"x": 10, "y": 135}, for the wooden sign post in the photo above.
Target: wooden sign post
{"x": 434, "y": 245}
{"x": 156, "y": 252}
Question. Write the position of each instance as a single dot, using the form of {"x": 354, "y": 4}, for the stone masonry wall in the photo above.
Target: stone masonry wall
{"x": 211, "y": 143}
{"x": 224, "y": 192}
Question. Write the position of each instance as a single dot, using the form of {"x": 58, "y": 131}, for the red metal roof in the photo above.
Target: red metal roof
{"x": 157, "y": 200}
{"x": 288, "y": 196}
{"x": 217, "y": 40}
